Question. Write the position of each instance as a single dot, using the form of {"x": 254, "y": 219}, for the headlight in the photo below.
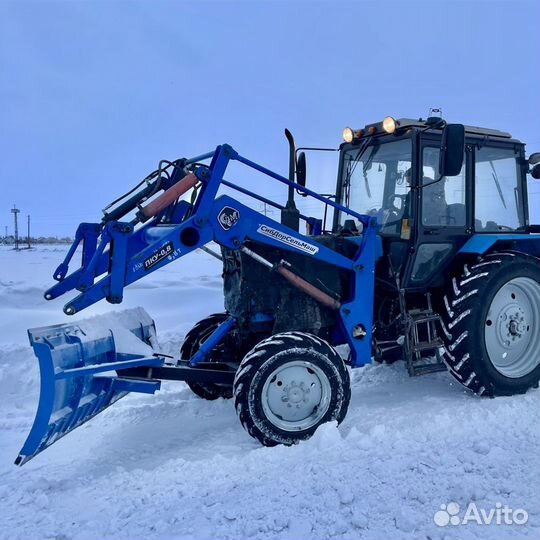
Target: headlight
{"x": 348, "y": 135}
{"x": 389, "y": 124}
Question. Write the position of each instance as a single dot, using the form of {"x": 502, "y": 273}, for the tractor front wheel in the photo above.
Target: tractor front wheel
{"x": 288, "y": 385}
{"x": 491, "y": 316}
{"x": 193, "y": 341}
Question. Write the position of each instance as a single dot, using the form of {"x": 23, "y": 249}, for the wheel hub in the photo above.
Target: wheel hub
{"x": 295, "y": 393}
{"x": 513, "y": 324}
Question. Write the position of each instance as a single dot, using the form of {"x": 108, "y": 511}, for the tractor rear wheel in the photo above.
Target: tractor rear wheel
{"x": 193, "y": 341}
{"x": 491, "y": 316}
{"x": 288, "y": 385}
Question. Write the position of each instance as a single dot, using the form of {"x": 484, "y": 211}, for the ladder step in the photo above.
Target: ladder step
{"x": 425, "y": 317}
{"x": 427, "y": 345}
{"x": 422, "y": 323}
{"x": 428, "y": 368}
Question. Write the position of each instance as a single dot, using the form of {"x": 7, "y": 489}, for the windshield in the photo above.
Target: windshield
{"x": 376, "y": 182}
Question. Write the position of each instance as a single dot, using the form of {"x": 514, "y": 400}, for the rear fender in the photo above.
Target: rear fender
{"x": 484, "y": 243}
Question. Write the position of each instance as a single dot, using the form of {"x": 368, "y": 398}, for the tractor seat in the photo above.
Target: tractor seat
{"x": 491, "y": 226}
{"x": 436, "y": 212}
{"x": 456, "y": 214}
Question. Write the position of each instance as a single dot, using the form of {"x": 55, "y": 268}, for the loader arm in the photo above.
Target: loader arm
{"x": 121, "y": 253}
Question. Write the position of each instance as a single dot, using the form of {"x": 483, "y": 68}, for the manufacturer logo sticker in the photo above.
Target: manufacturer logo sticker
{"x": 285, "y": 238}
{"x": 228, "y": 217}
{"x": 158, "y": 255}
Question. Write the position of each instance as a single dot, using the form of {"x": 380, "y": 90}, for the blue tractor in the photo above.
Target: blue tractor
{"x": 429, "y": 257}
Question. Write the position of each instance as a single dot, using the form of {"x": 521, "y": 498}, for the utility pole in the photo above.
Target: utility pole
{"x": 5, "y": 227}
{"x": 28, "y": 237}
{"x": 266, "y": 210}
{"x": 15, "y": 211}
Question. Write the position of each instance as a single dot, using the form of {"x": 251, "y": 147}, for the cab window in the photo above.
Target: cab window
{"x": 497, "y": 194}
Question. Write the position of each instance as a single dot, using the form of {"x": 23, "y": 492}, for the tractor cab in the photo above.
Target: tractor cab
{"x": 432, "y": 186}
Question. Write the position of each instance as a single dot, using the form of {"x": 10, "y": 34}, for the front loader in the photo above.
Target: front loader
{"x": 430, "y": 258}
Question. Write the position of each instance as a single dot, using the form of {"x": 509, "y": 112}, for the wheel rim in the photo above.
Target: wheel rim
{"x": 296, "y": 396}
{"x": 512, "y": 335}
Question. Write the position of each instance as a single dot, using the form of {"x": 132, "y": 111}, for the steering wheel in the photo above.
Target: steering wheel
{"x": 393, "y": 214}
{"x": 391, "y": 203}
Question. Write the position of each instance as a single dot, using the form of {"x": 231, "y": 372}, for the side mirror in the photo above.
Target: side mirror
{"x": 534, "y": 165}
{"x": 534, "y": 158}
{"x": 301, "y": 169}
{"x": 301, "y": 172}
{"x": 452, "y": 150}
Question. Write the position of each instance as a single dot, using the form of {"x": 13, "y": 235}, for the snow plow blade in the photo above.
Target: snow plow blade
{"x": 80, "y": 367}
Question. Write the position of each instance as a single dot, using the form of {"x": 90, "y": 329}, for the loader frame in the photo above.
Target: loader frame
{"x": 117, "y": 253}
{"x": 125, "y": 254}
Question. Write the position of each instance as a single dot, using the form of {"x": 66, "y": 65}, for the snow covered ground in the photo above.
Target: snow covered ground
{"x": 174, "y": 466}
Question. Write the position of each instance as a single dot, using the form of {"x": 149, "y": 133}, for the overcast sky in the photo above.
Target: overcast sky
{"x": 94, "y": 94}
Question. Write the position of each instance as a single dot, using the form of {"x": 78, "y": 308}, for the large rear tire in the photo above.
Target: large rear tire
{"x": 288, "y": 385}
{"x": 194, "y": 339}
{"x": 491, "y": 316}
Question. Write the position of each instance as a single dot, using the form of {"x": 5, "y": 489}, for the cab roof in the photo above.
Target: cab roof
{"x": 473, "y": 130}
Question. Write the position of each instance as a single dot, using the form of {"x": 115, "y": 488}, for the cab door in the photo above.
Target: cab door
{"x": 444, "y": 215}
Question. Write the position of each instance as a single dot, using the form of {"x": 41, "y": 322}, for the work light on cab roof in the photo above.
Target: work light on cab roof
{"x": 348, "y": 135}
{"x": 388, "y": 125}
